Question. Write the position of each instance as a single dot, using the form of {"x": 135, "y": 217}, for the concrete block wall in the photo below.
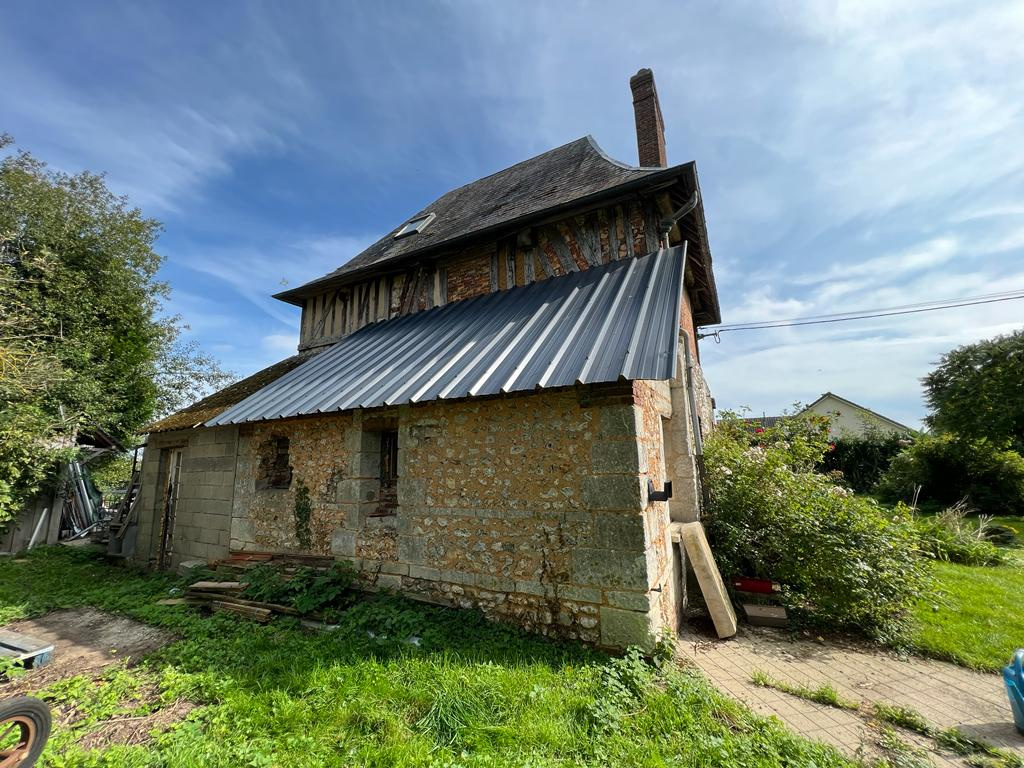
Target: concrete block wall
{"x": 202, "y": 518}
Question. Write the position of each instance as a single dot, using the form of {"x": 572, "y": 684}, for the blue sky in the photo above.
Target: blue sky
{"x": 851, "y": 155}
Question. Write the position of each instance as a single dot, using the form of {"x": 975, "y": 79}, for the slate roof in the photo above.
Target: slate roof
{"x": 566, "y": 176}
{"x": 608, "y": 323}
{"x": 198, "y": 413}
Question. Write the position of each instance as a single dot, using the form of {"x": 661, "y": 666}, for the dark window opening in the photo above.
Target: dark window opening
{"x": 275, "y": 469}
{"x": 388, "y": 459}
{"x": 387, "y": 497}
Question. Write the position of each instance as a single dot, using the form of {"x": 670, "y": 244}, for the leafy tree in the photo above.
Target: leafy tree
{"x": 83, "y": 342}
{"x": 977, "y": 391}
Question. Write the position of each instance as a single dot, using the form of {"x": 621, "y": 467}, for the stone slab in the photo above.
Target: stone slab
{"x": 708, "y": 577}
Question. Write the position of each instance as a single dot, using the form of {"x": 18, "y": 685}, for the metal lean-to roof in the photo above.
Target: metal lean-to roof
{"x": 616, "y": 321}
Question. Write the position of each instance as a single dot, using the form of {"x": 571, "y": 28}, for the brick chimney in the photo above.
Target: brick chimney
{"x": 650, "y": 128}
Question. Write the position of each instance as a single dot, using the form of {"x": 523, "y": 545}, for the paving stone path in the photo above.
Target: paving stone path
{"x": 945, "y": 694}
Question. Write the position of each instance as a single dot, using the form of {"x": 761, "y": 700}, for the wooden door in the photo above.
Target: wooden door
{"x": 173, "y": 476}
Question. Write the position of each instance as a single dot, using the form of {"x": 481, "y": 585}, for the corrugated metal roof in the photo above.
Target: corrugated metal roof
{"x": 616, "y": 321}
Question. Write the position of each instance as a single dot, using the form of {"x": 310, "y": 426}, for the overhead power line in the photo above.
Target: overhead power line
{"x": 863, "y": 314}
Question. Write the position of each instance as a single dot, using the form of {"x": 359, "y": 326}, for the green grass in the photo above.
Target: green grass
{"x": 471, "y": 693}
{"x": 975, "y": 617}
{"x": 904, "y": 717}
{"x": 952, "y": 740}
{"x": 823, "y": 694}
{"x": 899, "y": 754}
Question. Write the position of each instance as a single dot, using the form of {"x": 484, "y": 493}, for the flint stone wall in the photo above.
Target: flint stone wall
{"x": 532, "y": 508}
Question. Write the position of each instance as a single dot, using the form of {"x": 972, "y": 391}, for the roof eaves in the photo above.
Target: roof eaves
{"x": 655, "y": 177}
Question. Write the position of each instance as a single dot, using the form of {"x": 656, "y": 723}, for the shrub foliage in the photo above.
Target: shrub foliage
{"x": 863, "y": 459}
{"x": 844, "y": 562}
{"x": 85, "y": 342}
{"x": 975, "y": 391}
{"x": 949, "y": 536}
{"x": 949, "y": 468}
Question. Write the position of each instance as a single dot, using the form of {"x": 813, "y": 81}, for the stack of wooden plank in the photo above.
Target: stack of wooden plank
{"x": 223, "y": 597}
{"x": 225, "y": 594}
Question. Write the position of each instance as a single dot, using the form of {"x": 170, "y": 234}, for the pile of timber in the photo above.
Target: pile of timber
{"x": 224, "y": 597}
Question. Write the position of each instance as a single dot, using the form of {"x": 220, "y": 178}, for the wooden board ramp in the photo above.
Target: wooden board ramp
{"x": 698, "y": 552}
{"x": 28, "y": 650}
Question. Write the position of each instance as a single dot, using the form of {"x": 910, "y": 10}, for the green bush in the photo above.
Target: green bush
{"x": 948, "y": 469}
{"x": 864, "y": 458}
{"x": 948, "y": 536}
{"x": 843, "y": 561}
{"x": 306, "y": 590}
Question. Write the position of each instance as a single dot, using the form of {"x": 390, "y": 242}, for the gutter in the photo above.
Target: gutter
{"x": 669, "y": 221}
{"x": 698, "y": 440}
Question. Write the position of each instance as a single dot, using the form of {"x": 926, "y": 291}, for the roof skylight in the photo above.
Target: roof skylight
{"x": 416, "y": 225}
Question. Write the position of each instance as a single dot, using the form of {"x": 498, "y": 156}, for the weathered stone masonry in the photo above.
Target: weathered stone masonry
{"x": 531, "y": 508}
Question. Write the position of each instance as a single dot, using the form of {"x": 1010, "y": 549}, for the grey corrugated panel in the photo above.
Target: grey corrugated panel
{"x": 615, "y": 321}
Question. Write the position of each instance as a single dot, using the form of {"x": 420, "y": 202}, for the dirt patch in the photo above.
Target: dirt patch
{"x": 135, "y": 730}
{"x": 89, "y": 642}
{"x": 85, "y": 641}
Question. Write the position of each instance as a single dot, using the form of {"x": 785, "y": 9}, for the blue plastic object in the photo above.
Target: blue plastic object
{"x": 1013, "y": 677}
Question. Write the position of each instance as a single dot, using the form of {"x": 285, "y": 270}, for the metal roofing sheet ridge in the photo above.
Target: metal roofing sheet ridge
{"x": 312, "y": 378}
{"x": 604, "y": 328}
{"x": 447, "y": 391}
{"x": 379, "y": 367}
{"x": 447, "y": 351}
{"x": 590, "y": 301}
{"x": 479, "y": 369}
{"x": 611, "y": 351}
{"x": 421, "y": 345}
{"x": 359, "y": 348}
{"x": 269, "y": 397}
{"x": 646, "y": 347}
{"x": 541, "y": 339}
{"x": 462, "y": 335}
{"x": 550, "y": 364}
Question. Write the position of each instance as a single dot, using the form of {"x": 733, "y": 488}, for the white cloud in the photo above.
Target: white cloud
{"x": 174, "y": 124}
{"x": 280, "y": 344}
{"x": 925, "y": 256}
{"x": 257, "y": 273}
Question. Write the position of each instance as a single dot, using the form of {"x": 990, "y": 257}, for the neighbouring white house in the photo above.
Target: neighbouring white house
{"x": 846, "y": 418}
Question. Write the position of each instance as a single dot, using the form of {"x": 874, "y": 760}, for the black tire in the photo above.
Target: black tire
{"x": 33, "y": 714}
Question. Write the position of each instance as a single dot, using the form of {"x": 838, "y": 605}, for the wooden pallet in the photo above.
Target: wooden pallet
{"x": 28, "y": 650}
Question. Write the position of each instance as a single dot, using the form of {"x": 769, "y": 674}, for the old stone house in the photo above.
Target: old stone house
{"x": 485, "y": 405}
